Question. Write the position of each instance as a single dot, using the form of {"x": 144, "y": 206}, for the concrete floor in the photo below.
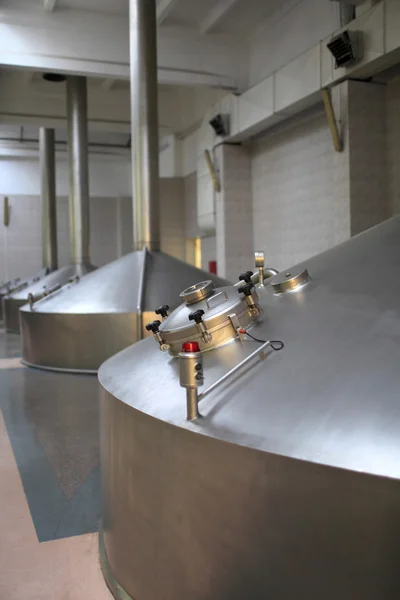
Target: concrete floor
{"x": 50, "y": 482}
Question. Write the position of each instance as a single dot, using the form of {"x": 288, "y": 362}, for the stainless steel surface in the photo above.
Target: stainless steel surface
{"x": 142, "y": 282}
{"x": 144, "y": 123}
{"x": 79, "y": 219}
{"x": 269, "y": 272}
{"x": 78, "y": 207}
{"x": 197, "y": 292}
{"x": 219, "y": 310}
{"x": 191, "y": 378}
{"x": 83, "y": 324}
{"x": 37, "y": 287}
{"x": 78, "y": 169}
{"x": 47, "y": 160}
{"x": 258, "y": 352}
{"x": 289, "y": 281}
{"x": 289, "y": 486}
{"x": 259, "y": 261}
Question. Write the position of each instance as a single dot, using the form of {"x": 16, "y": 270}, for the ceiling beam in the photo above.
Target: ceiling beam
{"x": 217, "y": 14}
{"x": 164, "y": 8}
{"x": 85, "y": 43}
{"x": 49, "y": 5}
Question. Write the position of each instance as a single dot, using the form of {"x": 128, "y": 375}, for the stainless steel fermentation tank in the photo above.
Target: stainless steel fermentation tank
{"x": 78, "y": 327}
{"x": 80, "y": 265}
{"x": 288, "y": 485}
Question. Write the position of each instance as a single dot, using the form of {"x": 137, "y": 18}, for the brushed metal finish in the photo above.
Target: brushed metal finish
{"x": 83, "y": 324}
{"x": 144, "y": 124}
{"x": 221, "y": 310}
{"x": 197, "y": 292}
{"x": 47, "y": 155}
{"x": 288, "y": 487}
{"x": 289, "y": 281}
{"x": 78, "y": 169}
{"x": 13, "y": 302}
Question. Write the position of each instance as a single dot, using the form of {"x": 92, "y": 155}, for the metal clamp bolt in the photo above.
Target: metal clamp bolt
{"x": 251, "y": 298}
{"x": 162, "y": 311}
{"x": 246, "y": 276}
{"x": 197, "y": 317}
{"x": 154, "y": 328}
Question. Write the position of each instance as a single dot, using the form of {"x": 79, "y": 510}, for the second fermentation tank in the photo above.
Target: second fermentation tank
{"x": 78, "y": 327}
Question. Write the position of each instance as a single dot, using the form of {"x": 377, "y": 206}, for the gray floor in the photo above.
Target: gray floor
{"x": 52, "y": 422}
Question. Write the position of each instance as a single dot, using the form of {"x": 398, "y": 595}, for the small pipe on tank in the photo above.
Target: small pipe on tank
{"x": 78, "y": 169}
{"x": 48, "y": 193}
{"x": 144, "y": 124}
{"x": 192, "y": 404}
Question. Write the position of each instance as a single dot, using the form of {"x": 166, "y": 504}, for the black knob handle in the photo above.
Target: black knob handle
{"x": 196, "y": 316}
{"x": 246, "y": 276}
{"x": 162, "y": 311}
{"x": 153, "y": 326}
{"x": 246, "y": 289}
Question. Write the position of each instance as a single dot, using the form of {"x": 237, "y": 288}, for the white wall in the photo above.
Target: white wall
{"x": 109, "y": 176}
{"x": 188, "y": 153}
{"x": 368, "y": 153}
{"x": 292, "y": 30}
{"x": 110, "y": 214}
{"x": 300, "y": 193}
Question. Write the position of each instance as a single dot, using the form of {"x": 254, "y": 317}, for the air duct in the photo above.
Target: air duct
{"x": 78, "y": 208}
{"x": 78, "y": 327}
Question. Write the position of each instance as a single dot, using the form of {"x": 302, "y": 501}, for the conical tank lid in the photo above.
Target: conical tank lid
{"x": 114, "y": 288}
{"x": 40, "y": 285}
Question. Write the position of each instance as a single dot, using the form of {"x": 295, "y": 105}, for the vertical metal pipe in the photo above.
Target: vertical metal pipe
{"x": 78, "y": 169}
{"x": 48, "y": 194}
{"x": 144, "y": 124}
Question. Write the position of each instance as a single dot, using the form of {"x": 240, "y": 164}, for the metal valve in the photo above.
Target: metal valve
{"x": 162, "y": 311}
{"x": 251, "y": 298}
{"x": 154, "y": 328}
{"x": 246, "y": 276}
{"x": 191, "y": 376}
{"x": 259, "y": 260}
{"x": 197, "y": 317}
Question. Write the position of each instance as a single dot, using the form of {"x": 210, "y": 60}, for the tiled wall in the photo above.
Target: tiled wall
{"x": 308, "y": 198}
{"x": 299, "y": 191}
{"x": 368, "y": 146}
{"x": 234, "y": 221}
{"x": 111, "y": 230}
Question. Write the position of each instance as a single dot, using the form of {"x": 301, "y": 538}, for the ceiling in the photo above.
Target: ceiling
{"x": 239, "y": 17}
{"x": 28, "y": 100}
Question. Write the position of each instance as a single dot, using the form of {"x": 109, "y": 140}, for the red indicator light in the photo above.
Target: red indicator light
{"x": 190, "y": 347}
